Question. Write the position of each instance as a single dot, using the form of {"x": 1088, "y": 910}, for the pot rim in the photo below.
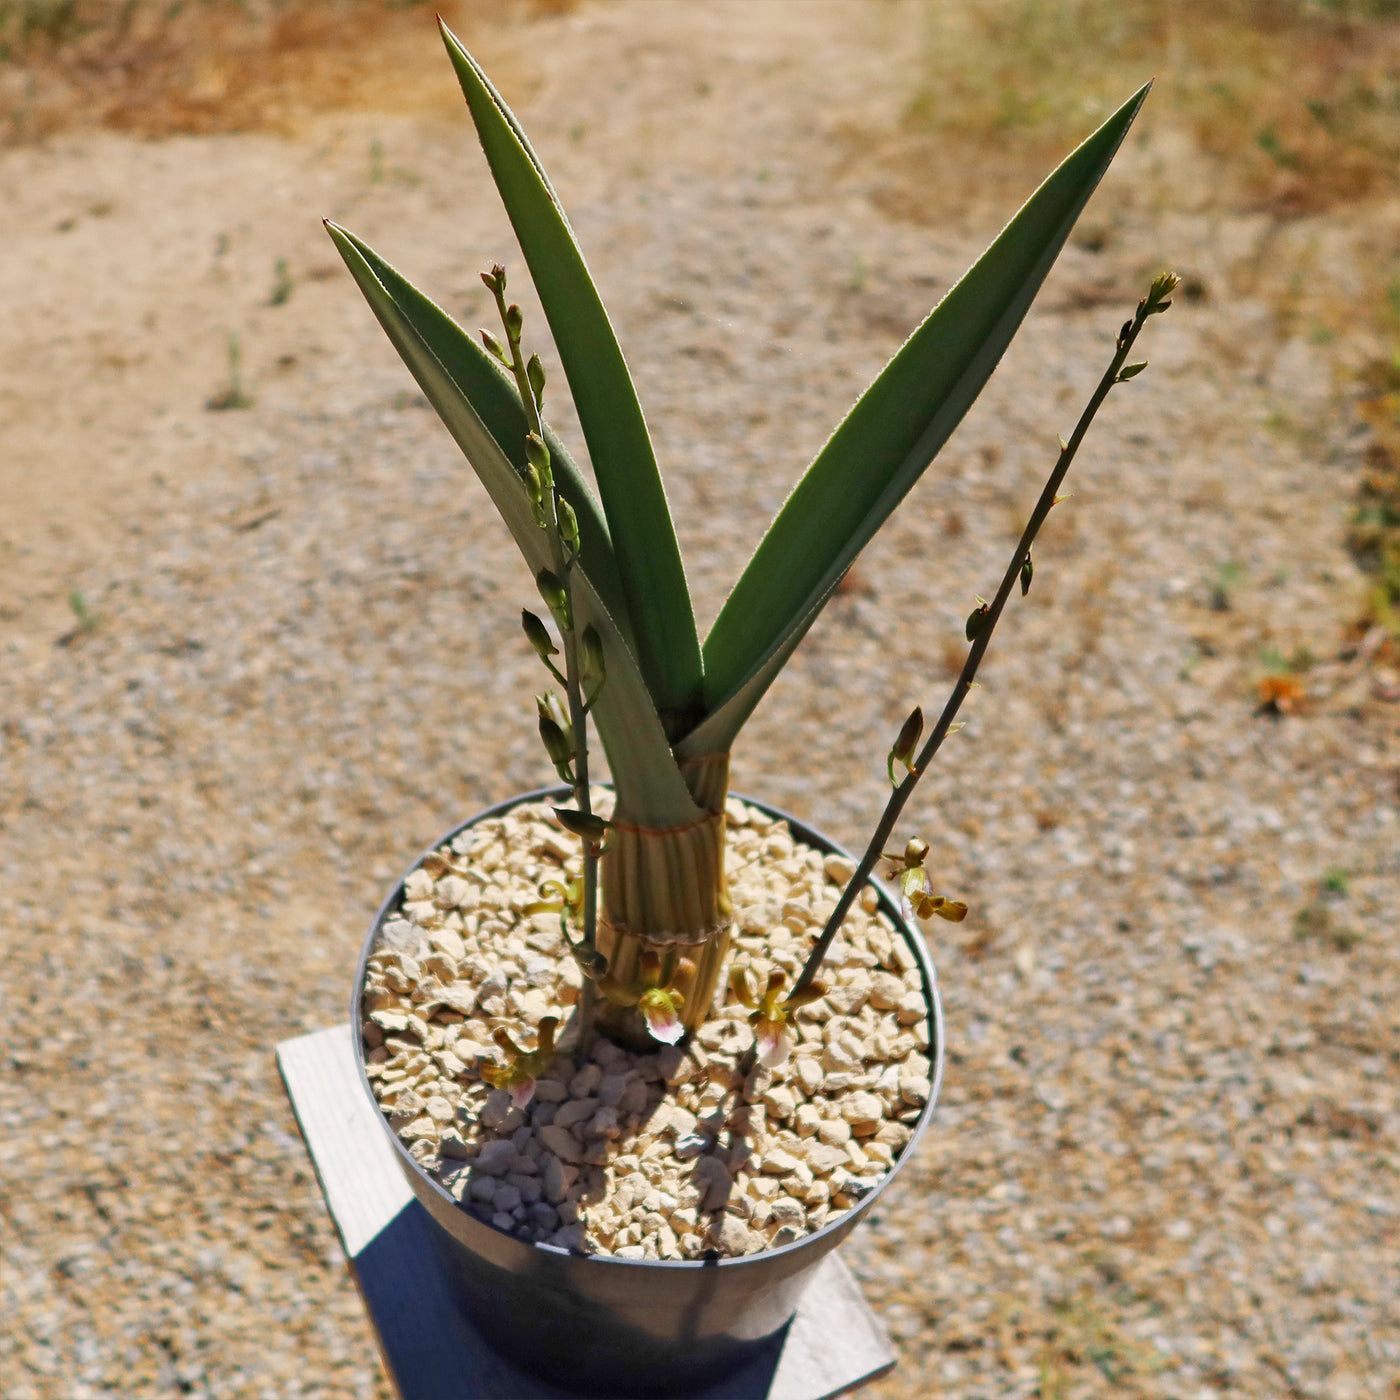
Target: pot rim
{"x": 846, "y": 1221}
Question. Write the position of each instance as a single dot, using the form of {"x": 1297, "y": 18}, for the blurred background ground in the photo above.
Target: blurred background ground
{"x": 258, "y": 642}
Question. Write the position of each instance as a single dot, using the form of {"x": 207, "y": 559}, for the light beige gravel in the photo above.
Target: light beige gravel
{"x": 1166, "y": 1159}
{"x": 665, "y": 1154}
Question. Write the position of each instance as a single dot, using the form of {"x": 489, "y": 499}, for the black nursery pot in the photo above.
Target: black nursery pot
{"x": 618, "y": 1327}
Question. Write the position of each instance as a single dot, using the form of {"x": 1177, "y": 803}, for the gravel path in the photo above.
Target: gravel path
{"x": 1165, "y": 1162}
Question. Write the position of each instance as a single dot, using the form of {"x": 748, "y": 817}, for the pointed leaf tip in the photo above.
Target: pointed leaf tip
{"x": 629, "y": 485}
{"x": 886, "y": 442}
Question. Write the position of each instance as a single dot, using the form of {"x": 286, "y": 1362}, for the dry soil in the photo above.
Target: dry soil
{"x": 1166, "y": 1159}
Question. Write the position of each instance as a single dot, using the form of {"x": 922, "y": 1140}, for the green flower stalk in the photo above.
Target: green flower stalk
{"x": 653, "y": 915}
{"x": 564, "y": 734}
{"x": 918, "y": 897}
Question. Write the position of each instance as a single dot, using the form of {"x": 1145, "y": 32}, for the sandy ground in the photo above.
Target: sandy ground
{"x": 1166, "y": 1160}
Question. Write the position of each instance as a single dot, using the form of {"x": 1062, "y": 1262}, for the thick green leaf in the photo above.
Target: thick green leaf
{"x": 624, "y": 464}
{"x": 885, "y": 443}
{"x": 457, "y": 375}
{"x": 494, "y": 398}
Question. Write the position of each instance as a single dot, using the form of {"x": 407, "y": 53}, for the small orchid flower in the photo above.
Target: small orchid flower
{"x": 917, "y": 899}
{"x": 522, "y": 1067}
{"x": 772, "y": 1012}
{"x": 661, "y": 1009}
{"x": 659, "y": 1004}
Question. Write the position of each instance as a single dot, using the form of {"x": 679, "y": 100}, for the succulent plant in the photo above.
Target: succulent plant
{"x": 649, "y": 920}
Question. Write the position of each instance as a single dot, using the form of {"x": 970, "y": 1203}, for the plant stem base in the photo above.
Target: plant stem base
{"x": 623, "y": 950}
{"x": 664, "y": 892}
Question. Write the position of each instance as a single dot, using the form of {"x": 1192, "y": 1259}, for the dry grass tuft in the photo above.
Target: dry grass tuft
{"x": 1296, "y": 102}
{"x": 168, "y": 67}
{"x": 1374, "y": 533}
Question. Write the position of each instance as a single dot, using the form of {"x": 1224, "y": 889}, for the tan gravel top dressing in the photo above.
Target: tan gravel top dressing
{"x": 1164, "y": 1162}
{"x": 666, "y": 1155}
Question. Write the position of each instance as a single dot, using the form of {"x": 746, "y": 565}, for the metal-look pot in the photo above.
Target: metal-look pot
{"x": 620, "y": 1327}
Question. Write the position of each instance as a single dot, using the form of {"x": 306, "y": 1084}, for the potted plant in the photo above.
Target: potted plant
{"x": 641, "y": 1094}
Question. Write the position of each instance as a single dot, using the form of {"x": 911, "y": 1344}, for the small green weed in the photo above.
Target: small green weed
{"x": 282, "y": 284}
{"x": 1336, "y": 881}
{"x": 87, "y": 620}
{"x": 1227, "y": 576}
{"x": 232, "y": 395}
{"x": 1374, "y": 535}
{"x": 1318, "y": 922}
{"x": 1298, "y": 661}
{"x": 1085, "y": 1333}
{"x": 1268, "y": 142}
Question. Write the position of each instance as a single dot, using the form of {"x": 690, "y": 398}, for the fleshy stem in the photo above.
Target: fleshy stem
{"x": 984, "y": 619}
{"x": 531, "y": 388}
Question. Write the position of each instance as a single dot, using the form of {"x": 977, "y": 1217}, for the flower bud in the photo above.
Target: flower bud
{"x": 976, "y": 621}
{"x": 537, "y": 634}
{"x": 1027, "y": 569}
{"x": 534, "y": 372}
{"x": 536, "y": 453}
{"x": 550, "y": 706}
{"x": 495, "y": 279}
{"x": 591, "y": 644}
{"x": 494, "y": 346}
{"x": 590, "y": 827}
{"x": 904, "y": 745}
{"x": 1163, "y": 286}
{"x": 568, "y": 527}
{"x": 534, "y": 489}
{"x": 556, "y": 596}
{"x": 515, "y": 322}
{"x": 813, "y": 991}
{"x": 556, "y": 743}
{"x": 591, "y": 962}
